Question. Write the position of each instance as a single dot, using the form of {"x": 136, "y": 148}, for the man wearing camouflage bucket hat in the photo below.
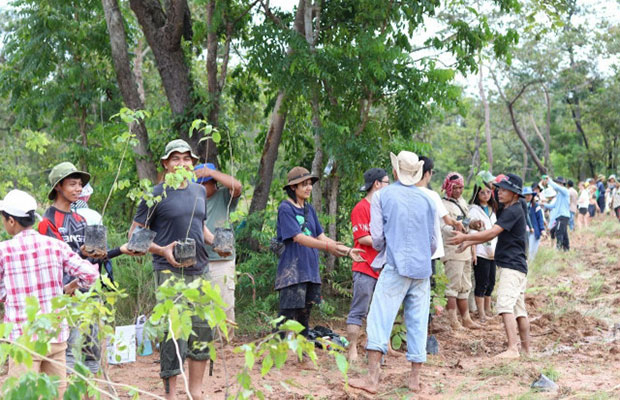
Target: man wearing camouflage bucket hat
{"x": 61, "y": 222}
{"x": 180, "y": 209}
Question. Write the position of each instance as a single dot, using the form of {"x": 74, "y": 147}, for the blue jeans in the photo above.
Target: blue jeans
{"x": 571, "y": 221}
{"x": 391, "y": 291}
{"x": 533, "y": 246}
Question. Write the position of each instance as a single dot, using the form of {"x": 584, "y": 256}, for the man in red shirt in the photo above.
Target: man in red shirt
{"x": 364, "y": 277}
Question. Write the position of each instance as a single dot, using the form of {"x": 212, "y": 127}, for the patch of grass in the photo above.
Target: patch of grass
{"x": 508, "y": 369}
{"x": 596, "y": 286}
{"x": 611, "y": 259}
{"x": 531, "y": 395}
{"x": 606, "y": 228}
{"x": 551, "y": 373}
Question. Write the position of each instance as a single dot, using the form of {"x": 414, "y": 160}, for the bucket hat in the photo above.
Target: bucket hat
{"x": 60, "y": 172}
{"x": 612, "y": 176}
{"x": 180, "y": 146}
{"x": 549, "y": 193}
{"x": 408, "y": 167}
{"x": 298, "y": 175}
{"x": 527, "y": 190}
{"x": 511, "y": 182}
{"x": 18, "y": 203}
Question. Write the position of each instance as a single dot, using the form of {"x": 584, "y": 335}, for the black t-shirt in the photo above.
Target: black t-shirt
{"x": 171, "y": 217}
{"x": 510, "y": 250}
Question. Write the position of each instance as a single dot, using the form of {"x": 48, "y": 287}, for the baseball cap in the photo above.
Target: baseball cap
{"x": 370, "y": 176}
{"x": 18, "y": 203}
{"x": 201, "y": 166}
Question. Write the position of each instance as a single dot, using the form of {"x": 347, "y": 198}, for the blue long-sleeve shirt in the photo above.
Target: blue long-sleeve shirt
{"x": 404, "y": 225}
{"x": 536, "y": 216}
{"x": 562, "y": 200}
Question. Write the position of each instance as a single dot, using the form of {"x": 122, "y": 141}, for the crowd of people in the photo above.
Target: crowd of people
{"x": 400, "y": 229}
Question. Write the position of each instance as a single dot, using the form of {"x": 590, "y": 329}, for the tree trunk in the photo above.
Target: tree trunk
{"x": 524, "y": 174}
{"x": 548, "y": 162}
{"x": 215, "y": 85}
{"x": 127, "y": 84}
{"x": 274, "y": 136}
{"x": 526, "y": 143}
{"x": 138, "y": 61}
{"x": 269, "y": 156}
{"x": 487, "y": 121}
{"x": 317, "y": 161}
{"x": 333, "y": 216}
{"x": 515, "y": 125}
{"x": 163, "y": 31}
{"x": 575, "y": 109}
{"x": 475, "y": 158}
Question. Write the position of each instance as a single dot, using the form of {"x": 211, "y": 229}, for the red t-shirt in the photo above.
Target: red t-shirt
{"x": 360, "y": 220}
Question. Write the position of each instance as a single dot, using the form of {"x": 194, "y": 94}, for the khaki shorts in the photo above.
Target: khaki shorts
{"x": 459, "y": 278}
{"x": 511, "y": 292}
{"x": 39, "y": 365}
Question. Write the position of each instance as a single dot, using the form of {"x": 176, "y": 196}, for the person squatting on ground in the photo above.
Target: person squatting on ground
{"x": 220, "y": 203}
{"x": 32, "y": 264}
{"x": 483, "y": 207}
{"x": 538, "y": 222}
{"x": 404, "y": 225}
{"x": 364, "y": 276}
{"x": 170, "y": 218}
{"x": 510, "y": 256}
{"x": 61, "y": 222}
{"x": 560, "y": 209}
{"x": 457, "y": 265}
{"x": 298, "y": 279}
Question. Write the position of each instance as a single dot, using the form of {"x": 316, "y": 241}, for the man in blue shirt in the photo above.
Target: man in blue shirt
{"x": 404, "y": 227}
{"x": 561, "y": 210}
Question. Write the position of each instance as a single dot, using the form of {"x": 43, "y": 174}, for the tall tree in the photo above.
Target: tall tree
{"x": 129, "y": 89}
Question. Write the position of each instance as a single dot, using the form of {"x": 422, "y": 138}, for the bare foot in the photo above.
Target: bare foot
{"x": 509, "y": 354}
{"x": 414, "y": 383}
{"x": 352, "y": 356}
{"x": 364, "y": 384}
{"x": 393, "y": 353}
{"x": 469, "y": 324}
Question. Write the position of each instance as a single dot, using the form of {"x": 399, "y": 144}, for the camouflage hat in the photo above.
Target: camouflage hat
{"x": 60, "y": 172}
{"x": 180, "y": 146}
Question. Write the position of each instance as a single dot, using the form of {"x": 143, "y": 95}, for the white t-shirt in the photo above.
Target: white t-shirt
{"x": 441, "y": 212}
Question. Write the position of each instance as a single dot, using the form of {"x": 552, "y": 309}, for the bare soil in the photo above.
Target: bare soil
{"x": 575, "y": 324}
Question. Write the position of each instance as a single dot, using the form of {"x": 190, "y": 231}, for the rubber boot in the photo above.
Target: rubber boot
{"x": 455, "y": 324}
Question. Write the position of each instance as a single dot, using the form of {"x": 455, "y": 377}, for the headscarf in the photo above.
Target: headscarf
{"x": 448, "y": 183}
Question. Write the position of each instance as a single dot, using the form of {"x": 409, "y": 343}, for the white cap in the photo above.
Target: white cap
{"x": 87, "y": 190}
{"x": 549, "y": 193}
{"x": 18, "y": 203}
